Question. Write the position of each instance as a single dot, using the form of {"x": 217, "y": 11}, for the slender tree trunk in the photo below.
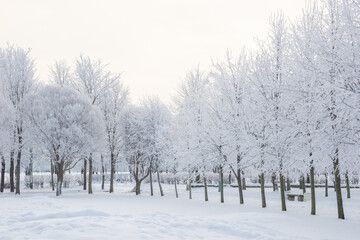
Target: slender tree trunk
{"x": 90, "y": 174}
{"x": 2, "y": 184}
{"x": 303, "y": 183}
{"x": 262, "y": 181}
{"x": 103, "y": 173}
{"x": 347, "y": 184}
{"x": 205, "y": 189}
{"x": 288, "y": 185}
{"x": 312, "y": 181}
{"x": 238, "y": 179}
{"x": 230, "y": 177}
{"x": 52, "y": 175}
{"x": 273, "y": 180}
{"x": 326, "y": 185}
{"x": 17, "y": 170}
{"x": 338, "y": 186}
{"x": 300, "y": 183}
{"x": 151, "y": 182}
{"x": 31, "y": 169}
{"x": 112, "y": 170}
{"x": 282, "y": 189}
{"x": 222, "y": 185}
{"x": 158, "y": 178}
{"x": 244, "y": 181}
{"x": 85, "y": 169}
{"x": 190, "y": 196}
{"x": 60, "y": 177}
{"x": 176, "y": 191}
{"x": 12, "y": 167}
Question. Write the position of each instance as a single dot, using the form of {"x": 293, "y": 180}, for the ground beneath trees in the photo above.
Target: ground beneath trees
{"x": 38, "y": 214}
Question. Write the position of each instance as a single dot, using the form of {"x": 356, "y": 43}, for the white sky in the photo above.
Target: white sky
{"x": 154, "y": 42}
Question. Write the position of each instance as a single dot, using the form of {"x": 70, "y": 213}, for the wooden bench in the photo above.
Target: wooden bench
{"x": 300, "y": 197}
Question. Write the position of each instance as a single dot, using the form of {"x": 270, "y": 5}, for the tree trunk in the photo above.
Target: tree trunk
{"x": 288, "y": 185}
{"x": 244, "y": 181}
{"x": 137, "y": 187}
{"x": 222, "y": 185}
{"x": 151, "y": 182}
{"x": 230, "y": 177}
{"x": 176, "y": 191}
{"x": 312, "y": 181}
{"x": 205, "y": 189}
{"x": 85, "y": 169}
{"x": 31, "y": 169}
{"x": 190, "y": 196}
{"x": 326, "y": 185}
{"x": 274, "y": 183}
{"x": 158, "y": 178}
{"x": 112, "y": 170}
{"x": 12, "y": 182}
{"x": 347, "y": 185}
{"x": 17, "y": 170}
{"x": 90, "y": 175}
{"x": 2, "y": 184}
{"x": 238, "y": 179}
{"x": 338, "y": 186}
{"x": 303, "y": 184}
{"x": 52, "y": 175}
{"x": 282, "y": 189}
{"x": 262, "y": 181}
{"x": 103, "y": 173}
{"x": 60, "y": 176}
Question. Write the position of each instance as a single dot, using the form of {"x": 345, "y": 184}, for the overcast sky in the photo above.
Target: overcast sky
{"x": 154, "y": 42}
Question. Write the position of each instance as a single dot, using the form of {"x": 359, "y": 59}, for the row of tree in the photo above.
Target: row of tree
{"x": 287, "y": 110}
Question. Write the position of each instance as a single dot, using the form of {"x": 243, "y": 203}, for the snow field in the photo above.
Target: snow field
{"x": 122, "y": 215}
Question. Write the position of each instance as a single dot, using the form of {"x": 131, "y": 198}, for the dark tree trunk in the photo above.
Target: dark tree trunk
{"x": 103, "y": 173}
{"x": 347, "y": 185}
{"x": 31, "y": 169}
{"x": 282, "y": 189}
{"x": 90, "y": 174}
{"x": 288, "y": 185}
{"x": 205, "y": 189}
{"x": 262, "y": 181}
{"x": 17, "y": 170}
{"x": 190, "y": 196}
{"x": 326, "y": 185}
{"x": 176, "y": 191}
{"x": 112, "y": 170}
{"x": 12, "y": 168}
{"x": 274, "y": 183}
{"x": 303, "y": 184}
{"x": 52, "y": 175}
{"x": 137, "y": 187}
{"x": 244, "y": 181}
{"x": 151, "y": 182}
{"x": 312, "y": 181}
{"x": 222, "y": 185}
{"x": 85, "y": 169}
{"x": 60, "y": 176}
{"x": 338, "y": 186}
{"x": 230, "y": 177}
{"x": 158, "y": 178}
{"x": 238, "y": 179}
{"x": 2, "y": 184}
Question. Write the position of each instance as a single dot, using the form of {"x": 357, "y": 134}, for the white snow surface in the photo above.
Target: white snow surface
{"x": 38, "y": 214}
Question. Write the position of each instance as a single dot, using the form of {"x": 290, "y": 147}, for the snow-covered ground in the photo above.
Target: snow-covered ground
{"x": 38, "y": 214}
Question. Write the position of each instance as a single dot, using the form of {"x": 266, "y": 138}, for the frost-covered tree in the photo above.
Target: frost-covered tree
{"x": 17, "y": 71}
{"x": 69, "y": 126}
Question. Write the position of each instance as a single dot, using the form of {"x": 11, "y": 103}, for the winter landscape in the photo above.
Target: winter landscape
{"x": 262, "y": 142}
